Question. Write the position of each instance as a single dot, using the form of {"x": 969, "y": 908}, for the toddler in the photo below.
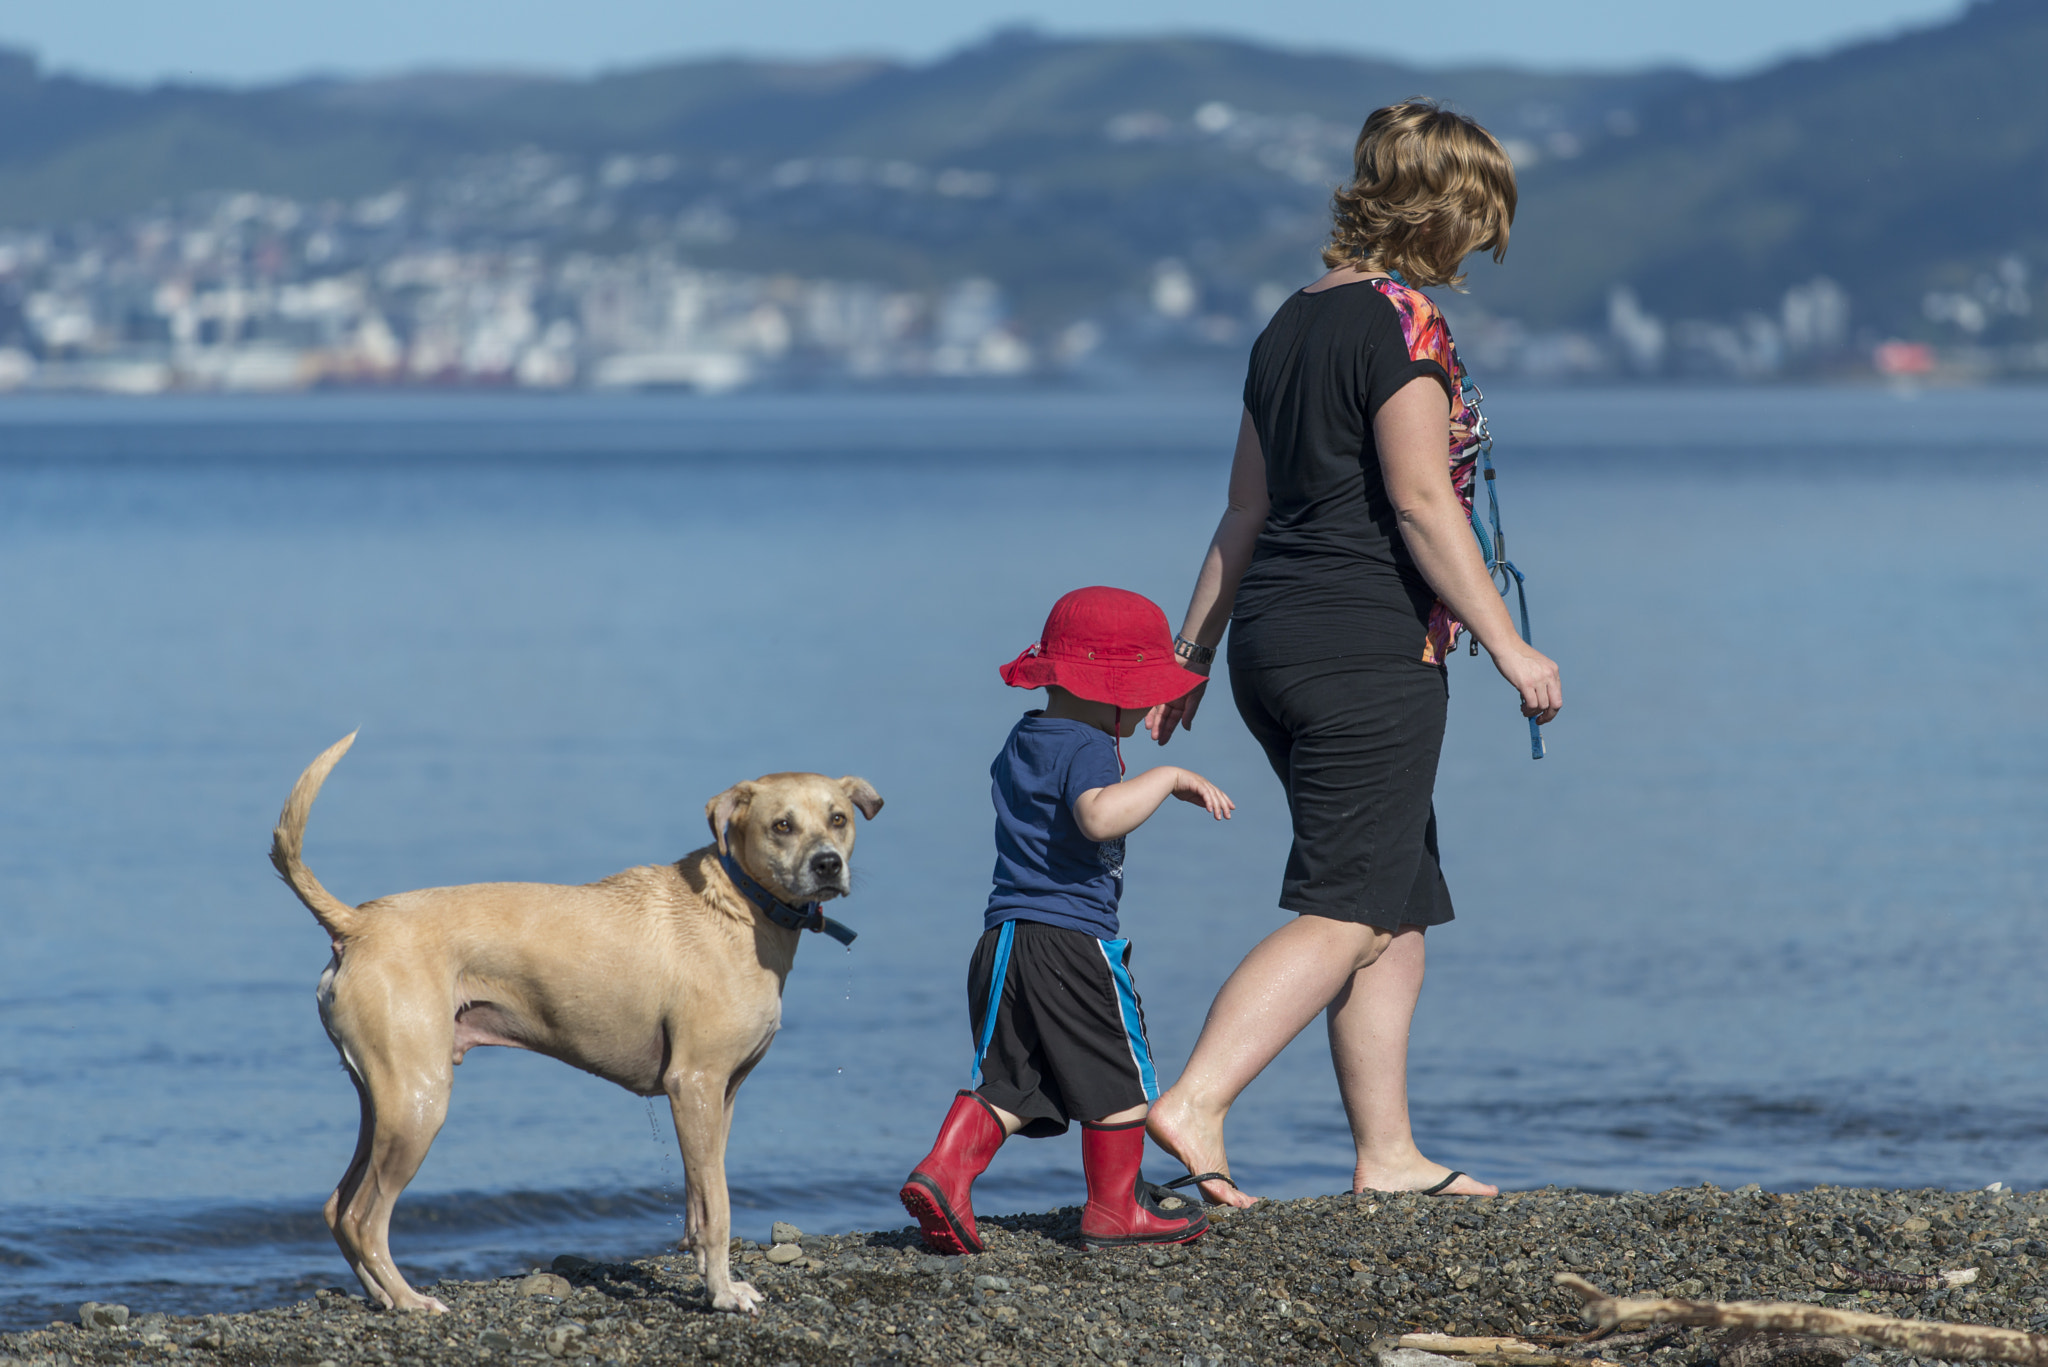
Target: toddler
{"x": 1059, "y": 1034}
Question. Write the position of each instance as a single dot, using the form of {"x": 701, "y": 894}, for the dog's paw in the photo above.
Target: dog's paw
{"x": 739, "y": 1299}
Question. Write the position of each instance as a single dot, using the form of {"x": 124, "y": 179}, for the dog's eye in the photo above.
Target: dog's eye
{"x": 782, "y": 827}
{"x": 839, "y": 818}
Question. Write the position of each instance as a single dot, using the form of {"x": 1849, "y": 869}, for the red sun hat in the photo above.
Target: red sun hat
{"x": 1105, "y": 645}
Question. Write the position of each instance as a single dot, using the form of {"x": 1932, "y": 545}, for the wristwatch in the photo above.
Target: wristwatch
{"x": 1190, "y": 653}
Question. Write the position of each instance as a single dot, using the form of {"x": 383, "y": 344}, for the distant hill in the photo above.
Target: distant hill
{"x": 1915, "y": 163}
{"x": 1103, "y": 173}
{"x": 1895, "y": 167}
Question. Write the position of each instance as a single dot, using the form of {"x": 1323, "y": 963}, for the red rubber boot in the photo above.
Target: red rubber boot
{"x": 939, "y": 1187}
{"x": 1123, "y": 1208}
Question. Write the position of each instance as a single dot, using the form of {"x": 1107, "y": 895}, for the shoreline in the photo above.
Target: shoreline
{"x": 1322, "y": 1279}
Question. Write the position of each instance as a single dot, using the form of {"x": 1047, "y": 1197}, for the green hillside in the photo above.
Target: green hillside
{"x": 1895, "y": 167}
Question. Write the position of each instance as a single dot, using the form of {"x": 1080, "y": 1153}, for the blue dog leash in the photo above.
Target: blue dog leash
{"x": 1495, "y": 550}
{"x": 810, "y": 916}
{"x": 1495, "y": 547}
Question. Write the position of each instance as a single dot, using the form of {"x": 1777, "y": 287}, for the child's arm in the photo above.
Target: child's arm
{"x": 1120, "y": 808}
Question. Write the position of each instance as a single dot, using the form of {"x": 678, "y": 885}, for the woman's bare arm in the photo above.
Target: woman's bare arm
{"x": 1230, "y": 551}
{"x": 1410, "y": 433}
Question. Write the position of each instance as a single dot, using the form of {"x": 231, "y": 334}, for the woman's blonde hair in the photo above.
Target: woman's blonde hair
{"x": 1429, "y": 187}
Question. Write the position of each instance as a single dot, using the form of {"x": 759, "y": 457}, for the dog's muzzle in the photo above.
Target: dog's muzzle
{"x": 809, "y": 916}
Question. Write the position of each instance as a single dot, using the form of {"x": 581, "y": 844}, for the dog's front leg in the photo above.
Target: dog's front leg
{"x": 698, "y": 1103}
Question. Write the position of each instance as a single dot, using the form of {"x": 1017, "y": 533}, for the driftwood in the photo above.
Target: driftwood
{"x": 1606, "y": 1340}
{"x": 1881, "y": 1280}
{"x": 1776, "y": 1348}
{"x": 1462, "y": 1346}
{"x": 1491, "y": 1351}
{"x": 1923, "y": 1338}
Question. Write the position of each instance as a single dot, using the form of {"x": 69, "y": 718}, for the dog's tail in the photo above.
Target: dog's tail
{"x": 337, "y": 917}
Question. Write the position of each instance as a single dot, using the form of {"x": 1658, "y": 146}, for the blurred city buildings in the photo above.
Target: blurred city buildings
{"x": 536, "y": 270}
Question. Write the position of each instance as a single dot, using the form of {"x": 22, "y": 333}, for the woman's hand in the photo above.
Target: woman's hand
{"x": 1162, "y": 720}
{"x": 1534, "y": 676}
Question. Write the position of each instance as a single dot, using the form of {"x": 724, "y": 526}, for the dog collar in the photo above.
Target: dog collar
{"x": 809, "y": 916}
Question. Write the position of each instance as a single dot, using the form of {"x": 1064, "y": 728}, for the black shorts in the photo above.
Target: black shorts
{"x": 1355, "y": 741}
{"x": 1066, "y": 1038}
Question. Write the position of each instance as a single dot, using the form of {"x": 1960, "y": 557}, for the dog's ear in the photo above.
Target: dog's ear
{"x": 720, "y": 811}
{"x": 861, "y": 794}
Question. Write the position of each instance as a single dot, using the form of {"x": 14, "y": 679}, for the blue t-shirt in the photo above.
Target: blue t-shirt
{"x": 1046, "y": 870}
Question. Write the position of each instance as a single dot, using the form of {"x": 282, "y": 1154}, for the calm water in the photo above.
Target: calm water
{"x": 1771, "y": 910}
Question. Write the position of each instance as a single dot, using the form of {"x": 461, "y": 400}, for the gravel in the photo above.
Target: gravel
{"x": 1324, "y": 1280}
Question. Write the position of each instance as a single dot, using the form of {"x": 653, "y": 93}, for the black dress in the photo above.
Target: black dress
{"x": 1337, "y": 641}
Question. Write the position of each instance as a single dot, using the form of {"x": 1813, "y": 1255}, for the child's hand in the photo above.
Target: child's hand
{"x": 1120, "y": 808}
{"x": 1190, "y": 786}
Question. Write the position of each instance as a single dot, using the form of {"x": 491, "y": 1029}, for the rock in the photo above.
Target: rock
{"x": 569, "y": 1265}
{"x": 496, "y": 1341}
{"x": 986, "y": 1283}
{"x": 783, "y": 1233}
{"x": 1415, "y": 1357}
{"x": 94, "y": 1315}
{"x": 545, "y": 1284}
{"x": 784, "y": 1254}
{"x": 565, "y": 1340}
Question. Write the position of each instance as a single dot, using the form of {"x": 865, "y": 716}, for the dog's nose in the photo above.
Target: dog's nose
{"x": 827, "y": 864}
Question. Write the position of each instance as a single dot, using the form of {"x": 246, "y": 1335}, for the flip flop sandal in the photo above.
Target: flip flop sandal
{"x": 1438, "y": 1189}
{"x": 1195, "y": 1180}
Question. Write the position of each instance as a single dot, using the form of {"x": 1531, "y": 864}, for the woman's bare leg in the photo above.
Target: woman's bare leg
{"x": 1369, "y": 1044}
{"x": 1282, "y": 985}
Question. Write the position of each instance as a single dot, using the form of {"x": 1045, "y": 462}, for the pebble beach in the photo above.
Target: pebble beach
{"x": 1335, "y": 1279}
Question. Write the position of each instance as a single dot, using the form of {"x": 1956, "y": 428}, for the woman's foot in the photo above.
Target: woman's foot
{"x": 1420, "y": 1177}
{"x": 1198, "y": 1145}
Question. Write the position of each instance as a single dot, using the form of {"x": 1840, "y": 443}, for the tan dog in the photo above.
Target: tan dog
{"x": 665, "y": 979}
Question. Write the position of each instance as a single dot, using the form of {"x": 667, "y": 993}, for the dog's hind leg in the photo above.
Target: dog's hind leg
{"x": 408, "y": 1100}
{"x": 702, "y": 1112}
{"x": 345, "y": 1190}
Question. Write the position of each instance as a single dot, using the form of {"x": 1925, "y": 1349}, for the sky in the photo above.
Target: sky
{"x": 254, "y": 41}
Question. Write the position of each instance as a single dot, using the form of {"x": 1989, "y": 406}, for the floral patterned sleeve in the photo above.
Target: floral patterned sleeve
{"x": 1429, "y": 339}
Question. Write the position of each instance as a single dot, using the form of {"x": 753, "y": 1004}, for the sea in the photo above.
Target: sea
{"x": 1771, "y": 910}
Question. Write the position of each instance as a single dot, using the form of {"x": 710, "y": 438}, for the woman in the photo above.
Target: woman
{"x": 1345, "y": 566}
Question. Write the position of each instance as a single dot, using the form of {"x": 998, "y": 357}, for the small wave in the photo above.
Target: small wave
{"x": 194, "y": 1258}
{"x": 96, "y": 1236}
{"x": 11, "y": 1256}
